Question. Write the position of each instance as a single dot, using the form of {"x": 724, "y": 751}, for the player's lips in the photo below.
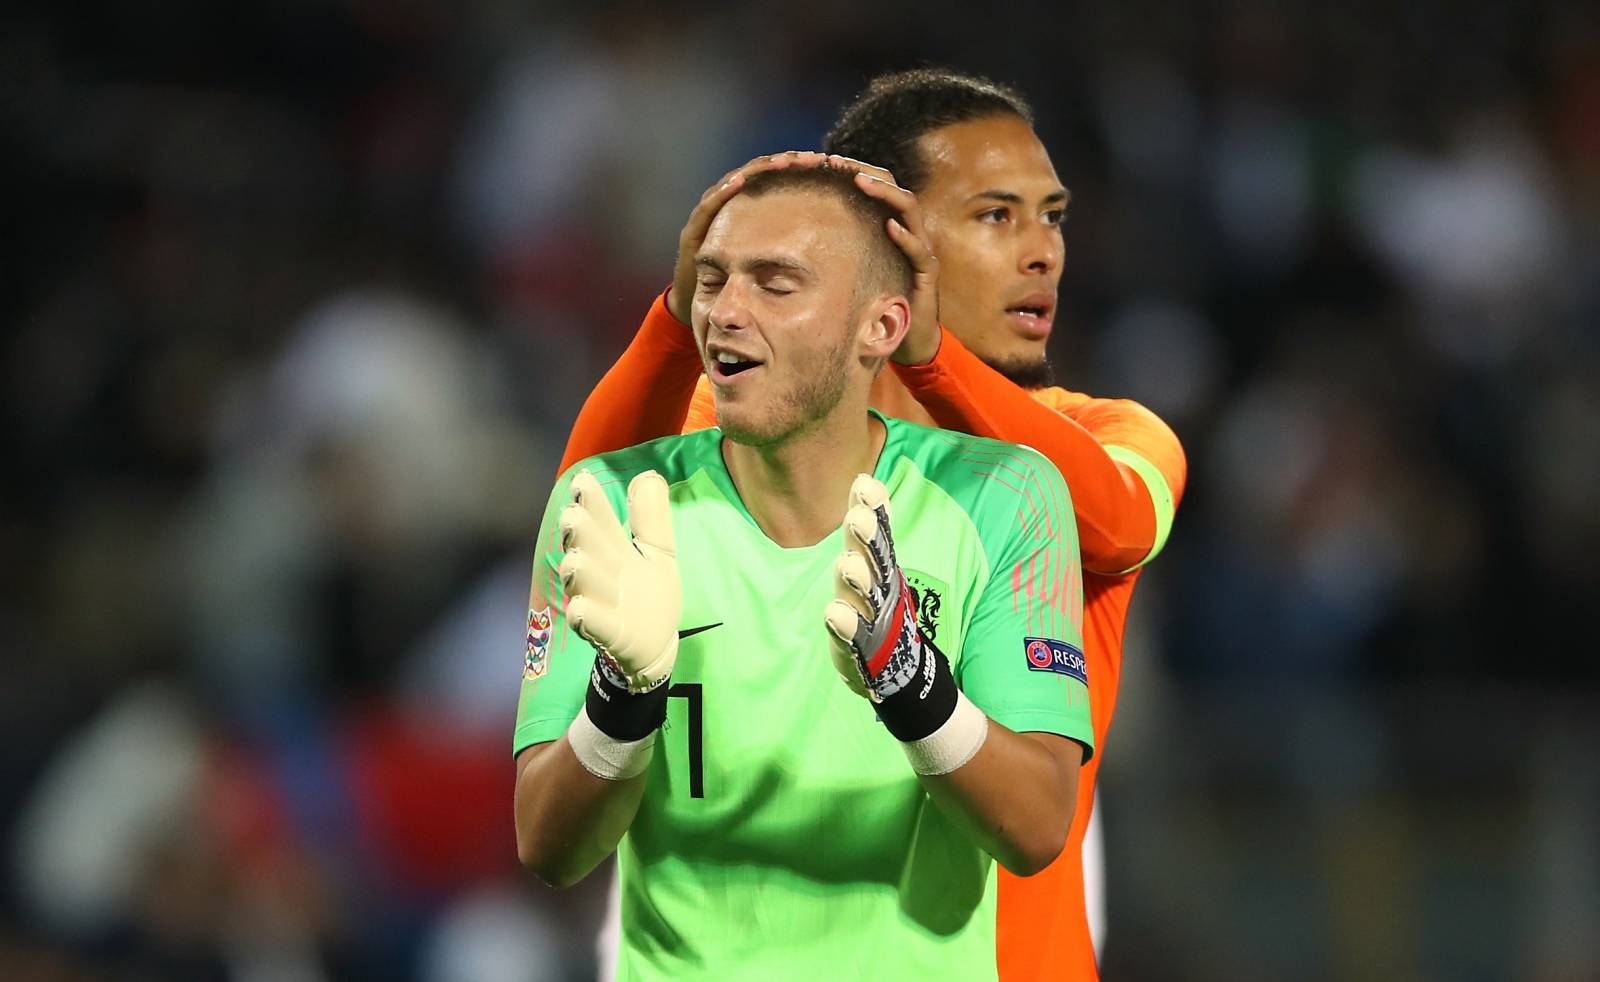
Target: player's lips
{"x": 726, "y": 366}
{"x": 1032, "y": 314}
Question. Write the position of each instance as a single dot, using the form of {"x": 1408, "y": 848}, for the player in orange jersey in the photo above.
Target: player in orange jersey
{"x": 981, "y": 195}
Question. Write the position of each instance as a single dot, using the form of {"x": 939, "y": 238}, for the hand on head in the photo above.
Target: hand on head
{"x": 922, "y": 340}
{"x": 681, "y": 293}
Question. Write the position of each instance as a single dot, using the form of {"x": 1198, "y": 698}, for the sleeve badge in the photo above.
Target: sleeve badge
{"x": 1049, "y": 655}
{"x": 537, "y": 660}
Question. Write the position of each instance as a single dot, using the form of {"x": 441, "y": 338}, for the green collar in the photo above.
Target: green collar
{"x": 887, "y": 457}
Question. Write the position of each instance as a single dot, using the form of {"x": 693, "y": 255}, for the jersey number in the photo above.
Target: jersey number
{"x": 690, "y": 692}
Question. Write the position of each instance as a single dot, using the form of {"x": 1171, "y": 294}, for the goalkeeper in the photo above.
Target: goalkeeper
{"x": 830, "y": 666}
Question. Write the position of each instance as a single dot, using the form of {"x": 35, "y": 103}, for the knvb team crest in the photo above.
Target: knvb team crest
{"x": 538, "y": 656}
{"x": 929, "y": 601}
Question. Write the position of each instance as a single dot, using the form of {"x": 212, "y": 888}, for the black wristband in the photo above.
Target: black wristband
{"x": 618, "y": 713}
{"x": 918, "y": 709}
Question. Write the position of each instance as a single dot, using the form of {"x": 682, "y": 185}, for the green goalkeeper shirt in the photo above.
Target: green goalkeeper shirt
{"x": 782, "y": 833}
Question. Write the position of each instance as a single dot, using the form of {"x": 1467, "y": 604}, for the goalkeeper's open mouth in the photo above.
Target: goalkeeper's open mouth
{"x": 728, "y": 366}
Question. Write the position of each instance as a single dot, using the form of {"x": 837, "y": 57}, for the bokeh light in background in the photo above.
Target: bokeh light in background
{"x": 301, "y": 300}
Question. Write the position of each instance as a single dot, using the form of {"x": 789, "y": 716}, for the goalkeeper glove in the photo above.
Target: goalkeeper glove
{"x": 879, "y": 651}
{"x": 623, "y": 597}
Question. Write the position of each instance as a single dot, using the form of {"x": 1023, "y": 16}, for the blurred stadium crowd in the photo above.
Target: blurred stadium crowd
{"x": 301, "y": 299}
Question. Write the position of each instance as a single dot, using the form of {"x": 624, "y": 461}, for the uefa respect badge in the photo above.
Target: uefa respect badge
{"x": 1049, "y": 655}
{"x": 537, "y": 659}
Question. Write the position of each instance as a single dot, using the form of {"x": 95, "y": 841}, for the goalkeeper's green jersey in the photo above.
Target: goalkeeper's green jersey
{"x": 782, "y": 833}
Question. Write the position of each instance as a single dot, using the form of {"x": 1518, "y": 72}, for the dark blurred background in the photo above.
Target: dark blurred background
{"x": 300, "y": 300}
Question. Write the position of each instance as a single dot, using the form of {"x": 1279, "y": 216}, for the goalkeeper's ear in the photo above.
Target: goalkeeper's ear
{"x": 886, "y": 320}
{"x": 650, "y": 513}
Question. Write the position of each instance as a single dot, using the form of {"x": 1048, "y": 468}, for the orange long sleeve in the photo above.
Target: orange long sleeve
{"x": 1116, "y": 517}
{"x": 644, "y": 395}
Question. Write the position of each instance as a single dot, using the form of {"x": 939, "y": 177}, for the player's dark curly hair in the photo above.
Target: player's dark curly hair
{"x": 882, "y": 258}
{"x": 883, "y": 124}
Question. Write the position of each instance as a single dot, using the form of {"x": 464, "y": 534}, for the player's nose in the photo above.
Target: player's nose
{"x": 729, "y": 311}
{"x": 1040, "y": 249}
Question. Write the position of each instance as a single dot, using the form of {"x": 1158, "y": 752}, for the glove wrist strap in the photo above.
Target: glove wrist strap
{"x": 616, "y": 711}
{"x": 918, "y": 708}
{"x": 606, "y": 757}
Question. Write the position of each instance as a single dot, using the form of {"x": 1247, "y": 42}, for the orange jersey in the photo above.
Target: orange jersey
{"x": 1126, "y": 472}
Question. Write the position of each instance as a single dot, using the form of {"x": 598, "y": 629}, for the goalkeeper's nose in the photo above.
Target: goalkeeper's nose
{"x": 729, "y": 313}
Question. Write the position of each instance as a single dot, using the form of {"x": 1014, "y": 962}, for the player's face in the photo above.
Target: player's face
{"x": 993, "y": 208}
{"x": 773, "y": 312}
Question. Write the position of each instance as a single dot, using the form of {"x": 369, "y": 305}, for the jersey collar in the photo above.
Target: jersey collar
{"x": 883, "y": 470}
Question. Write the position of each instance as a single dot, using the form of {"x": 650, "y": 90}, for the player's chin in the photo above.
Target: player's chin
{"x": 1003, "y": 342}
{"x": 1026, "y": 365}
{"x": 744, "y": 427}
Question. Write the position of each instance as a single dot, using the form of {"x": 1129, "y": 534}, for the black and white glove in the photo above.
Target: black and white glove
{"x": 880, "y": 652}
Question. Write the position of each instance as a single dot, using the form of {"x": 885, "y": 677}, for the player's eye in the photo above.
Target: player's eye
{"x": 777, "y": 291}
{"x": 994, "y": 216}
{"x": 1055, "y": 216}
{"x": 710, "y": 284}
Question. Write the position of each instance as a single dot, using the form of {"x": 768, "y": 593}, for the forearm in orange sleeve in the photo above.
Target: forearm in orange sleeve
{"x": 1116, "y": 519}
{"x": 644, "y": 395}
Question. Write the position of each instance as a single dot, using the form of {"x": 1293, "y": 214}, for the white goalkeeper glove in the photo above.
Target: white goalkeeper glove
{"x": 879, "y": 651}
{"x": 623, "y": 597}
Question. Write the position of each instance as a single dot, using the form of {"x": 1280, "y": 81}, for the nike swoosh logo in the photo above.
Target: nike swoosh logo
{"x": 697, "y": 630}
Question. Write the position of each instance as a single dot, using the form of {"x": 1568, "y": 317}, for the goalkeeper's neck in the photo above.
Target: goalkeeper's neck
{"x": 796, "y": 489}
